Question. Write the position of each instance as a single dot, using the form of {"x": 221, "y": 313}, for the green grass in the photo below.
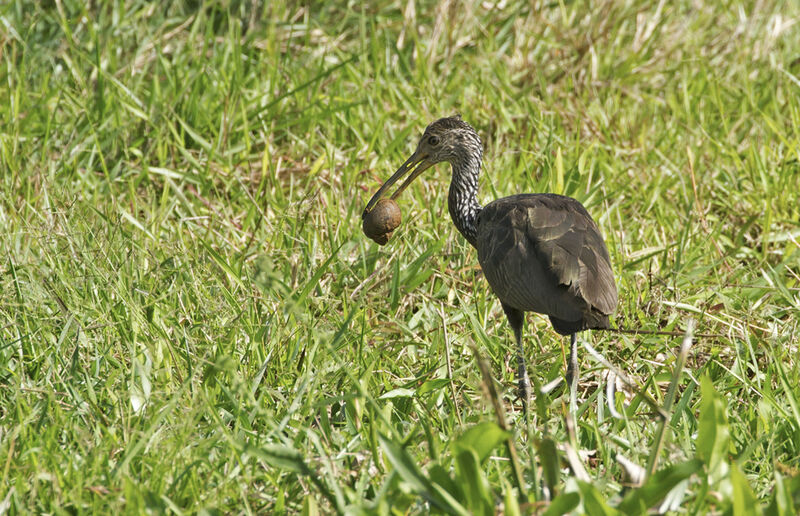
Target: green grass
{"x": 191, "y": 319}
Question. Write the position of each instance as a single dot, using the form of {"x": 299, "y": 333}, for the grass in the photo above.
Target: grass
{"x": 191, "y": 320}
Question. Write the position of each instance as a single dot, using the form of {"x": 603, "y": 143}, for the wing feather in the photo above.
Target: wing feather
{"x": 544, "y": 253}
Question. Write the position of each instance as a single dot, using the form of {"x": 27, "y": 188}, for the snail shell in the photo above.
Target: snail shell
{"x": 382, "y": 220}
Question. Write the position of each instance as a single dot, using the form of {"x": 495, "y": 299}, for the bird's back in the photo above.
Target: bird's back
{"x": 544, "y": 253}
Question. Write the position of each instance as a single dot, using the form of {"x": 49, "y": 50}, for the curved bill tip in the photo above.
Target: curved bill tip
{"x": 404, "y": 169}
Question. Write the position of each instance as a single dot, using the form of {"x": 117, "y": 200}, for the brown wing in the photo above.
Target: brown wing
{"x": 544, "y": 253}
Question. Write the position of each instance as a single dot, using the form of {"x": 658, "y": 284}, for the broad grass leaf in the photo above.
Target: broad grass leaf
{"x": 404, "y": 465}
{"x": 310, "y": 506}
{"x": 415, "y": 274}
{"x": 394, "y": 287}
{"x": 280, "y": 456}
{"x": 563, "y": 504}
{"x": 470, "y": 475}
{"x": 745, "y": 502}
{"x": 408, "y": 470}
{"x": 713, "y": 436}
{"x": 786, "y": 493}
{"x": 314, "y": 280}
{"x": 510, "y": 503}
{"x": 397, "y": 393}
{"x": 140, "y": 391}
{"x": 442, "y": 477}
{"x": 433, "y": 385}
{"x": 482, "y": 438}
{"x": 551, "y": 468}
{"x": 658, "y": 487}
{"x": 223, "y": 264}
{"x": 593, "y": 502}
{"x": 558, "y": 183}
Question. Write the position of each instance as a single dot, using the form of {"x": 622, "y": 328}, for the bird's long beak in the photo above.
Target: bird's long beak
{"x": 417, "y": 160}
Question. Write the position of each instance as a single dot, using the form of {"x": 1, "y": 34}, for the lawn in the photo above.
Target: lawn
{"x": 191, "y": 320}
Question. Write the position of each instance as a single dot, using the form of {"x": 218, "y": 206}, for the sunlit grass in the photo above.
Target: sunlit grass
{"x": 191, "y": 319}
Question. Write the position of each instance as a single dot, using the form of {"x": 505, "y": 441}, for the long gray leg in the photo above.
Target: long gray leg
{"x": 572, "y": 373}
{"x": 516, "y": 320}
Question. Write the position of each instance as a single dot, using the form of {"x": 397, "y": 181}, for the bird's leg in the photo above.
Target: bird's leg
{"x": 524, "y": 383}
{"x": 572, "y": 373}
{"x": 516, "y": 320}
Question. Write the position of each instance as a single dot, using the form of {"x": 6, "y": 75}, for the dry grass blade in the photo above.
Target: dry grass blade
{"x": 663, "y": 428}
{"x": 500, "y": 414}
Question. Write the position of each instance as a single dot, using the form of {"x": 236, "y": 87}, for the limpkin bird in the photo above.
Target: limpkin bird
{"x": 539, "y": 252}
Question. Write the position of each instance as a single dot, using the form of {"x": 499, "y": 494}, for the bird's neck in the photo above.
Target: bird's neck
{"x": 463, "y": 198}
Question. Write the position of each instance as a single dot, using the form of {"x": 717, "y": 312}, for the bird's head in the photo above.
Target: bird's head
{"x": 448, "y": 139}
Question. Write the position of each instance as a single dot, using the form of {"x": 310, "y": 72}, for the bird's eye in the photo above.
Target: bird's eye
{"x": 433, "y": 141}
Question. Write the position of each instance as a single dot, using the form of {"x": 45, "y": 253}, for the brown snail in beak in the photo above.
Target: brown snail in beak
{"x": 381, "y": 221}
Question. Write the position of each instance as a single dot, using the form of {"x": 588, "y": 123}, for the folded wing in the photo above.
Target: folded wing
{"x": 544, "y": 253}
